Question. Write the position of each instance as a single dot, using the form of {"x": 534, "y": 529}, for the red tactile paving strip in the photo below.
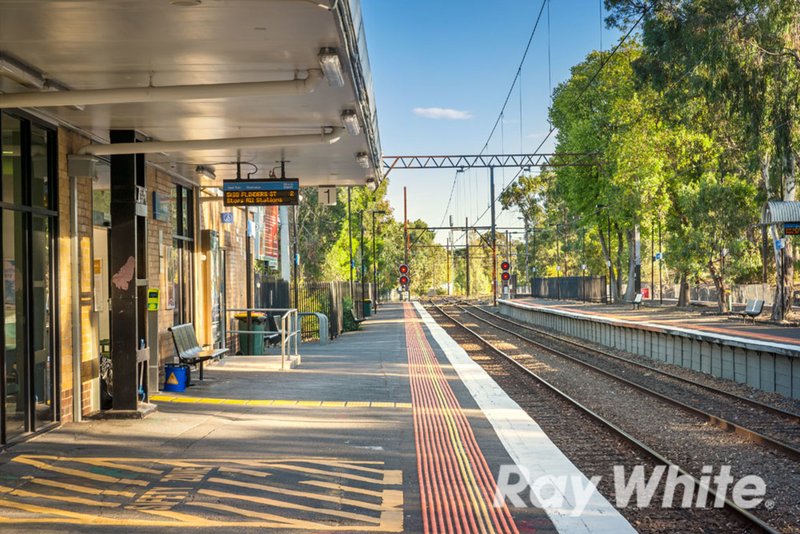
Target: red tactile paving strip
{"x": 457, "y": 488}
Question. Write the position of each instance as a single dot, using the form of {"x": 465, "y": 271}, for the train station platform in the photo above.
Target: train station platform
{"x": 763, "y": 356}
{"x": 389, "y": 429}
{"x": 701, "y": 319}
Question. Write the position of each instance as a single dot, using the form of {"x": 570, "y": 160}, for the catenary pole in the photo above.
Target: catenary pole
{"x": 350, "y": 235}
{"x": 494, "y": 237}
{"x": 466, "y": 249}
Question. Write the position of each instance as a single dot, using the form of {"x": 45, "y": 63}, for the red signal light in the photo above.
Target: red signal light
{"x": 403, "y": 280}
{"x": 505, "y": 276}
{"x": 505, "y": 266}
{"x": 403, "y": 268}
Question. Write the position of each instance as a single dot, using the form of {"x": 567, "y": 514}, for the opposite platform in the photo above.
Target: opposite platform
{"x": 390, "y": 429}
{"x": 763, "y": 357}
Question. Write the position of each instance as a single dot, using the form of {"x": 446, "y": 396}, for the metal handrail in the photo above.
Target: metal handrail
{"x": 289, "y": 323}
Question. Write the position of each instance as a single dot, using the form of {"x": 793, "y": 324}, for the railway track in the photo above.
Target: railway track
{"x": 790, "y": 416}
{"x": 759, "y": 423}
{"x": 744, "y": 515}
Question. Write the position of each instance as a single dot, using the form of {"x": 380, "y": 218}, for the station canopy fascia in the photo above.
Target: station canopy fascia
{"x": 118, "y": 44}
{"x": 780, "y": 212}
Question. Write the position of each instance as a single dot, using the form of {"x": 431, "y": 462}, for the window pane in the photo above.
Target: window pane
{"x": 173, "y": 212}
{"x": 174, "y": 276}
{"x": 40, "y": 310}
{"x": 39, "y": 167}
{"x": 13, "y": 237}
{"x": 185, "y": 212}
{"x": 10, "y": 141}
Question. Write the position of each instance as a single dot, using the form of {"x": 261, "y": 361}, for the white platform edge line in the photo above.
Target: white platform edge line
{"x": 740, "y": 341}
{"x": 525, "y": 441}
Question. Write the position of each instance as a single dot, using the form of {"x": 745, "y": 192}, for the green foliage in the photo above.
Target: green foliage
{"x": 350, "y": 324}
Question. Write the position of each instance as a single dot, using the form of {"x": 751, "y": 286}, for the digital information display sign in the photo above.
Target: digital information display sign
{"x": 283, "y": 192}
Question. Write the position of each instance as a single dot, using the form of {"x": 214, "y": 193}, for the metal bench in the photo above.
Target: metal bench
{"x": 273, "y": 337}
{"x": 355, "y": 317}
{"x": 753, "y": 309}
{"x": 636, "y": 302}
{"x": 189, "y": 350}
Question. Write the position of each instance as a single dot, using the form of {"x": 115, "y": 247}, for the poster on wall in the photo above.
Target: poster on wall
{"x": 270, "y": 246}
{"x": 172, "y": 276}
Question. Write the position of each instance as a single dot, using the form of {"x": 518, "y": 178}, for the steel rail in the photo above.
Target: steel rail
{"x": 730, "y": 505}
{"x": 795, "y": 417}
{"x": 720, "y": 422}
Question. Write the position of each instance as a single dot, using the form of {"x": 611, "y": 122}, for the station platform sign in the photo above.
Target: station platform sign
{"x": 278, "y": 192}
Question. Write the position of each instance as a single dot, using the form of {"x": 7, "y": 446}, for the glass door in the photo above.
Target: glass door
{"x": 26, "y": 243}
{"x": 13, "y": 236}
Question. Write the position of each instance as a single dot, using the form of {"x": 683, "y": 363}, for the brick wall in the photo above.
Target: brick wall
{"x": 69, "y": 143}
{"x": 159, "y": 242}
{"x": 232, "y": 240}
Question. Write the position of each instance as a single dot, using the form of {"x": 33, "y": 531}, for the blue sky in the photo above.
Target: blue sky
{"x": 441, "y": 71}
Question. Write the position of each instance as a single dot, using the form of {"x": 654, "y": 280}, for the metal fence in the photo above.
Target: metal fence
{"x": 585, "y": 288}
{"x": 323, "y": 297}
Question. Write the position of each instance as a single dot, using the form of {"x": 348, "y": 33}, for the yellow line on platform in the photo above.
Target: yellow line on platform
{"x": 334, "y": 474}
{"x": 77, "y": 488}
{"x": 281, "y": 402}
{"x": 340, "y": 487}
{"x": 62, "y": 498}
{"x": 286, "y": 505}
{"x": 248, "y": 472}
{"x": 302, "y": 494}
{"x": 276, "y": 520}
{"x": 77, "y": 473}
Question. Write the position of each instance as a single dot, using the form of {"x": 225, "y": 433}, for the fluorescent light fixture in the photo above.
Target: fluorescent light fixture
{"x": 80, "y": 165}
{"x": 206, "y": 171}
{"x": 362, "y": 158}
{"x": 331, "y": 66}
{"x": 20, "y": 72}
{"x": 350, "y": 121}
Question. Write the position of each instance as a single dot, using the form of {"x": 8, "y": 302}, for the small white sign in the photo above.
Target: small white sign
{"x": 327, "y": 195}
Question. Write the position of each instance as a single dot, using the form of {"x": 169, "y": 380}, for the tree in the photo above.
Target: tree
{"x": 743, "y": 58}
{"x": 600, "y": 110}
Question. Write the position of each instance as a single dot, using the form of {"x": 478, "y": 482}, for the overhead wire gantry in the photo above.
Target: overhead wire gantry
{"x": 490, "y": 161}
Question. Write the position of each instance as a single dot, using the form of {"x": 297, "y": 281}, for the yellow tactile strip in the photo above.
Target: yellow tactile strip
{"x": 281, "y": 402}
{"x": 316, "y": 494}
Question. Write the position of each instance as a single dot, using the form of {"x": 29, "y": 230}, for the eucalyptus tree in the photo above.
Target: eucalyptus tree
{"x": 743, "y": 58}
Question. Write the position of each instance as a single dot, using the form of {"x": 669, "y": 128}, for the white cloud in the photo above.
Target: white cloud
{"x": 442, "y": 113}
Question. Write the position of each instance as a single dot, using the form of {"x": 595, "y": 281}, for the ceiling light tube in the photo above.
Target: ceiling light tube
{"x": 331, "y": 66}
{"x": 20, "y": 72}
{"x": 350, "y": 121}
{"x": 328, "y": 136}
{"x": 125, "y": 95}
{"x": 362, "y": 158}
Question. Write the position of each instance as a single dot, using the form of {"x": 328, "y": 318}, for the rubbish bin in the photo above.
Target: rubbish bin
{"x": 367, "y": 307}
{"x": 252, "y": 344}
{"x": 176, "y": 377}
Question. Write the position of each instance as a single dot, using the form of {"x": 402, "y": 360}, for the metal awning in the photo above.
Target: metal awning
{"x": 254, "y": 55}
{"x": 779, "y": 212}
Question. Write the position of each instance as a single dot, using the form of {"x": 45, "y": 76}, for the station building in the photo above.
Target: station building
{"x": 119, "y": 122}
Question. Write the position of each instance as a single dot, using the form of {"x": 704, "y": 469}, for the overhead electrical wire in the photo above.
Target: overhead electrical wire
{"x": 517, "y": 75}
{"x": 505, "y": 103}
{"x": 581, "y": 94}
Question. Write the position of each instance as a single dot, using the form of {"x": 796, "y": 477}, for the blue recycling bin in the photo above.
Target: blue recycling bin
{"x": 176, "y": 377}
